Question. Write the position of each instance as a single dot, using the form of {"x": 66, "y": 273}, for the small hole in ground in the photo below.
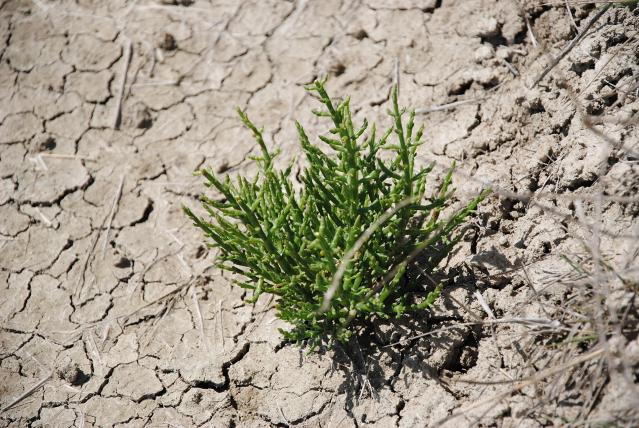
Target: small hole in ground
{"x": 361, "y": 34}
{"x": 48, "y": 144}
{"x": 338, "y": 69}
{"x": 123, "y": 263}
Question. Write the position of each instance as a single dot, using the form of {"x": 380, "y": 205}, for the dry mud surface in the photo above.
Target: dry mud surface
{"x": 111, "y": 312}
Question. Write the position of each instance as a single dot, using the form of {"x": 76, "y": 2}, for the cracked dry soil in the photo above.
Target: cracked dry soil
{"x": 111, "y": 312}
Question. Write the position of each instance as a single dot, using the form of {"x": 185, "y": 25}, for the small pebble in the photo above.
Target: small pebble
{"x": 483, "y": 53}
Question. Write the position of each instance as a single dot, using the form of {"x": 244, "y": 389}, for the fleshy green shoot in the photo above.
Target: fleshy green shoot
{"x": 338, "y": 250}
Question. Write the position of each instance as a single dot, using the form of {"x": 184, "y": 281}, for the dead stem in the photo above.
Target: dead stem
{"x": 570, "y": 45}
{"x": 128, "y": 49}
{"x": 27, "y": 393}
{"x": 522, "y": 384}
{"x": 114, "y": 209}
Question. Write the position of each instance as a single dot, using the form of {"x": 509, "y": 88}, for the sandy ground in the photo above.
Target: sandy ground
{"x": 111, "y": 312}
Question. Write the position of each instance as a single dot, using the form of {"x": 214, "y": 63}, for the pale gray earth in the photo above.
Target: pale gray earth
{"x": 111, "y": 311}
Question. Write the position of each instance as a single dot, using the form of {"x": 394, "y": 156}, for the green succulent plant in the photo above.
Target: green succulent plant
{"x": 336, "y": 251}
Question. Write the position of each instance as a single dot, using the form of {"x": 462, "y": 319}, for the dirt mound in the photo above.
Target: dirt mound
{"x": 111, "y": 312}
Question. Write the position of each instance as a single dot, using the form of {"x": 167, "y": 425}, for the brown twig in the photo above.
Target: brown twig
{"x": 448, "y": 106}
{"x": 128, "y": 48}
{"x": 200, "y": 319}
{"x": 156, "y": 323}
{"x": 454, "y": 104}
{"x": 533, "y": 39}
{"x": 570, "y": 45}
{"x": 396, "y": 73}
{"x": 159, "y": 299}
{"x": 524, "y": 321}
{"x": 613, "y": 56}
{"x": 510, "y": 67}
{"x": 44, "y": 218}
{"x": 484, "y": 305}
{"x": 114, "y": 209}
{"x": 85, "y": 264}
{"x": 64, "y": 156}
{"x": 221, "y": 322}
{"x": 522, "y": 384}
{"x": 572, "y": 18}
{"x": 532, "y": 198}
{"x": 27, "y": 393}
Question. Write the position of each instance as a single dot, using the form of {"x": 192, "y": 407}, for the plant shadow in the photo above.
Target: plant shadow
{"x": 391, "y": 353}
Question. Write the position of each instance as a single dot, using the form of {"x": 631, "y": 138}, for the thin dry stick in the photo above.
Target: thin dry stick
{"x": 525, "y": 196}
{"x": 464, "y": 307}
{"x": 81, "y": 417}
{"x": 85, "y": 264}
{"x": 105, "y": 334}
{"x": 570, "y": 45}
{"x": 558, "y": 2}
{"x": 450, "y": 296}
{"x": 40, "y": 365}
{"x": 448, "y": 106}
{"x": 43, "y": 217}
{"x": 608, "y": 276}
{"x": 632, "y": 255}
{"x": 529, "y": 197}
{"x": 38, "y": 161}
{"x": 147, "y": 268}
{"x": 153, "y": 302}
{"x": 533, "y": 39}
{"x": 282, "y": 413}
{"x": 63, "y": 156}
{"x": 484, "y": 305}
{"x": 175, "y": 238}
{"x": 396, "y": 73}
{"x": 595, "y": 384}
{"x": 94, "y": 347}
{"x": 151, "y": 332}
{"x": 185, "y": 266}
{"x": 522, "y": 384}
{"x": 572, "y": 18}
{"x": 27, "y": 393}
{"x": 588, "y": 122}
{"x": 510, "y": 67}
{"x": 366, "y": 381}
{"x": 128, "y": 49}
{"x": 454, "y": 104}
{"x": 613, "y": 56}
{"x": 262, "y": 314}
{"x": 533, "y": 322}
{"x": 414, "y": 253}
{"x": 156, "y": 83}
{"x": 337, "y": 278}
{"x": 532, "y": 287}
{"x": 629, "y": 92}
{"x": 219, "y": 311}
{"x": 114, "y": 209}
{"x": 200, "y": 319}
{"x": 151, "y": 54}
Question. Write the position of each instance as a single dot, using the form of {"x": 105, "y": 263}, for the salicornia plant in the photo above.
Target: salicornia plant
{"x": 338, "y": 249}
